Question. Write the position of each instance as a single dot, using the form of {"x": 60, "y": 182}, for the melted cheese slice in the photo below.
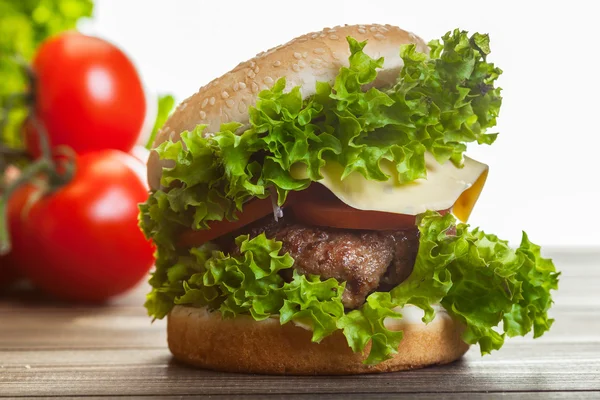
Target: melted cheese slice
{"x": 446, "y": 186}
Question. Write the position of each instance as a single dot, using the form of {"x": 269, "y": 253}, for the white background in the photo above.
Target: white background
{"x": 544, "y": 166}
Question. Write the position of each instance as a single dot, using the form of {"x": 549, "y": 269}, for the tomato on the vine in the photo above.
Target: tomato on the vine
{"x": 8, "y": 273}
{"x": 9, "y": 264}
{"x": 88, "y": 95}
{"x": 82, "y": 241}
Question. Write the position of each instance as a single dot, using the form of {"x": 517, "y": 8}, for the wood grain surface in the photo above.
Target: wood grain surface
{"x": 56, "y": 350}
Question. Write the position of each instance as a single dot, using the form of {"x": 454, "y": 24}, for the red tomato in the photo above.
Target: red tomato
{"x": 252, "y": 211}
{"x": 321, "y": 207}
{"x": 88, "y": 94}
{"x": 8, "y": 273}
{"x": 82, "y": 242}
{"x": 10, "y": 264}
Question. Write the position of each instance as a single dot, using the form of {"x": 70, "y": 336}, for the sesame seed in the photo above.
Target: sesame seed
{"x": 236, "y": 87}
{"x": 204, "y": 103}
{"x": 319, "y": 50}
{"x": 254, "y": 87}
{"x": 322, "y": 35}
{"x": 241, "y": 106}
{"x": 230, "y": 103}
{"x": 301, "y": 64}
{"x": 242, "y": 85}
{"x": 379, "y": 36}
{"x": 224, "y": 94}
{"x": 333, "y": 37}
{"x": 252, "y": 64}
{"x": 277, "y": 63}
{"x": 202, "y": 115}
{"x": 295, "y": 67}
{"x": 251, "y": 74}
{"x": 256, "y": 69}
{"x": 314, "y": 36}
{"x": 304, "y": 54}
{"x": 212, "y": 101}
{"x": 373, "y": 29}
{"x": 361, "y": 30}
{"x": 268, "y": 80}
{"x": 335, "y": 56}
{"x": 297, "y": 55}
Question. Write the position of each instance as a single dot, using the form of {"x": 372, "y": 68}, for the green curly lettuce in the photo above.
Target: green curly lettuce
{"x": 439, "y": 103}
{"x": 477, "y": 278}
{"x": 247, "y": 283}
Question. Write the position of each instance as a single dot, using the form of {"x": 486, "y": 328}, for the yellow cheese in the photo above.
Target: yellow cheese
{"x": 446, "y": 186}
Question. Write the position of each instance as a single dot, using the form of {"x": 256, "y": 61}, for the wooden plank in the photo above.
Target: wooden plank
{"x": 520, "y": 366}
{"x": 176, "y": 380}
{"x": 355, "y": 396}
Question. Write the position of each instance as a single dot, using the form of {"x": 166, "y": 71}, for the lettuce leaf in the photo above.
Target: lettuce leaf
{"x": 476, "y": 277}
{"x": 313, "y": 303}
{"x": 165, "y": 105}
{"x": 438, "y": 104}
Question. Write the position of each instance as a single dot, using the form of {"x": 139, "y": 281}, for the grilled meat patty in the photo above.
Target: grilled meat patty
{"x": 365, "y": 260}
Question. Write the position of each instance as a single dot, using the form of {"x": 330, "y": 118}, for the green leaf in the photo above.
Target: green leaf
{"x": 248, "y": 283}
{"x": 366, "y": 325}
{"x": 166, "y": 102}
{"x": 313, "y": 303}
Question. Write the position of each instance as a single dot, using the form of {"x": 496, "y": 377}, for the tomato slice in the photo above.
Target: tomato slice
{"x": 322, "y": 208}
{"x": 313, "y": 206}
{"x": 253, "y": 210}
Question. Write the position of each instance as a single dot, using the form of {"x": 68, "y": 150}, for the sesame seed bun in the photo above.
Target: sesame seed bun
{"x": 303, "y": 61}
{"x": 202, "y": 338}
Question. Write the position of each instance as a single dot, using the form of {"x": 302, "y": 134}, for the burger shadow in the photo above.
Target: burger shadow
{"x": 202, "y": 381}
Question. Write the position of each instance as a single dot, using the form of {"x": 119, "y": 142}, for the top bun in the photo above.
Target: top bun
{"x": 303, "y": 61}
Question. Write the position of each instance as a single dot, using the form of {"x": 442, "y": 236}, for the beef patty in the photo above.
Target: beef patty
{"x": 365, "y": 260}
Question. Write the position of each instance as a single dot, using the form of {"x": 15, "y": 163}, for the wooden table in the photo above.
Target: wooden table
{"x": 57, "y": 350}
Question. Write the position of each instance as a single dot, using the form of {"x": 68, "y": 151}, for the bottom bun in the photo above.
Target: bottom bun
{"x": 202, "y": 338}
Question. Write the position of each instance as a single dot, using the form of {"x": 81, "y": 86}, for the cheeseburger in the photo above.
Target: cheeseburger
{"x": 309, "y": 206}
